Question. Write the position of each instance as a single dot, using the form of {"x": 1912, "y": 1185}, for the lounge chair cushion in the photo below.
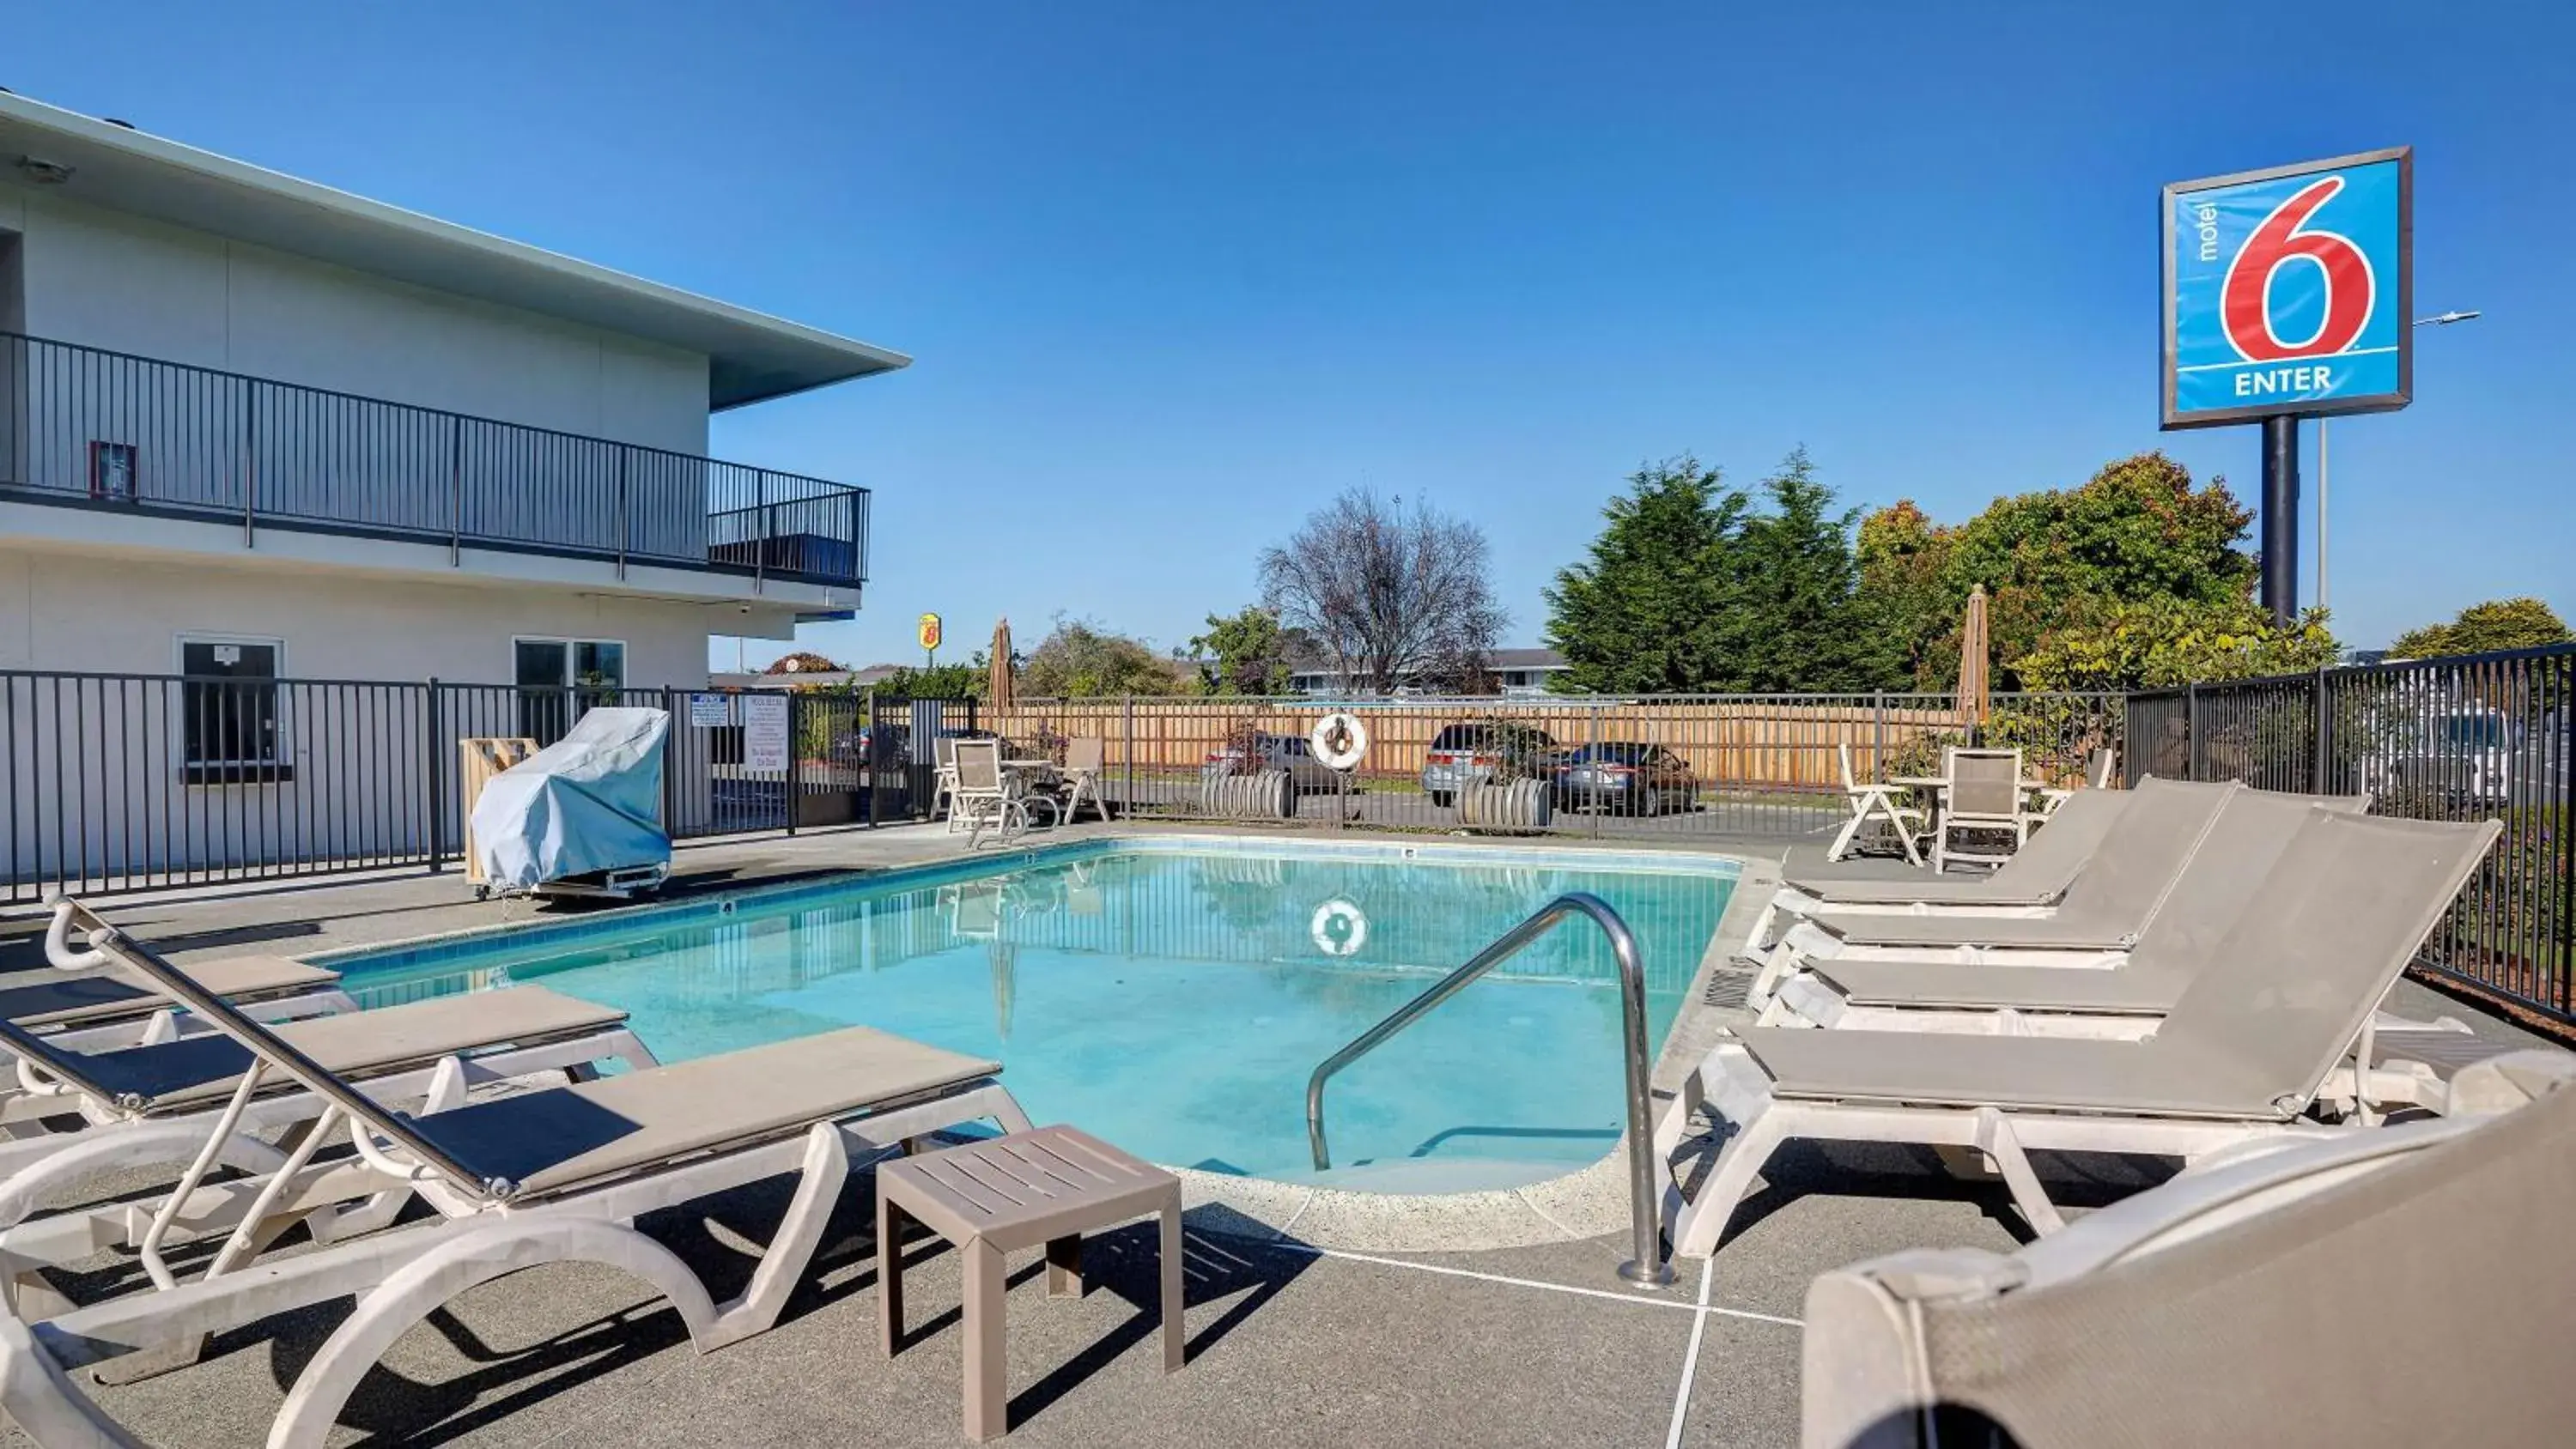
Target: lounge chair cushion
{"x": 2132, "y": 988}
{"x": 76, "y": 999}
{"x": 2034, "y": 932}
{"x": 568, "y": 1136}
{"x": 1936, "y": 1069}
{"x": 194, "y": 1071}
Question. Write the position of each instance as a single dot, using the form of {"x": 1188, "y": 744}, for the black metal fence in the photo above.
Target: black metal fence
{"x": 86, "y": 427}
{"x": 1649, "y": 768}
{"x": 2477, "y": 737}
{"x": 112, "y": 782}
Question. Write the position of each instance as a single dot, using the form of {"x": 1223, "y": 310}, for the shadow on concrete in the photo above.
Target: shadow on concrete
{"x": 1891, "y": 1171}
{"x": 718, "y": 1238}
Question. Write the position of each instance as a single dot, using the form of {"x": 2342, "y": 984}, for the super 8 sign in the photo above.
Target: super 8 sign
{"x": 2290, "y": 291}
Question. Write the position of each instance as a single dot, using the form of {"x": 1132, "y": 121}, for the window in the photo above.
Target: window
{"x": 560, "y": 679}
{"x": 229, "y": 720}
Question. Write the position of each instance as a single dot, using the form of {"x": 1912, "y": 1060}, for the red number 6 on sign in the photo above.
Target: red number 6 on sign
{"x": 2245, "y": 306}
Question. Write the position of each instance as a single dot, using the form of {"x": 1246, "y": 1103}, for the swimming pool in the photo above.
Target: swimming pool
{"x": 1171, "y": 993}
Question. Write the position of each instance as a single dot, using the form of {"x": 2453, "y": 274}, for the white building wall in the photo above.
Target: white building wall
{"x": 94, "y": 775}
{"x": 106, "y": 279}
{"x": 65, "y": 611}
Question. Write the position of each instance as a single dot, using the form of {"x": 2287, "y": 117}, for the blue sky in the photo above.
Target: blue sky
{"x": 1174, "y": 273}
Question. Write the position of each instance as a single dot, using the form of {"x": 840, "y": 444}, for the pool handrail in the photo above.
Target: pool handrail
{"x": 1648, "y": 1267}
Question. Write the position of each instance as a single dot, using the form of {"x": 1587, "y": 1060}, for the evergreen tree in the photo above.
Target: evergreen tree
{"x": 1645, "y": 612}
{"x": 1799, "y": 624}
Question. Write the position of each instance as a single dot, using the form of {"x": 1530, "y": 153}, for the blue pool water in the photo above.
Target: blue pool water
{"x": 1172, "y": 995}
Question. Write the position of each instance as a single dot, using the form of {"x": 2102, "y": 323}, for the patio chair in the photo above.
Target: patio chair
{"x": 550, "y": 1176}
{"x": 1085, "y": 761}
{"x": 2096, "y": 922}
{"x": 2216, "y": 887}
{"x": 943, "y": 791}
{"x": 1983, "y": 793}
{"x": 2028, "y": 884}
{"x": 984, "y": 794}
{"x": 2401, "y": 1286}
{"x": 1869, "y": 802}
{"x": 2242, "y": 1055}
{"x": 2097, "y": 776}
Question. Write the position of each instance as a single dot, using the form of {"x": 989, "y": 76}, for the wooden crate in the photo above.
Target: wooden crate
{"x": 477, "y": 761}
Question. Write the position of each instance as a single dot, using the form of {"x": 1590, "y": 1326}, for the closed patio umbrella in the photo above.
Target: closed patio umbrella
{"x": 999, "y": 687}
{"x": 1975, "y": 684}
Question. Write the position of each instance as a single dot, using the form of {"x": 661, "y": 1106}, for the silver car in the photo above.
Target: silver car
{"x": 1463, "y": 756}
{"x": 1289, "y": 753}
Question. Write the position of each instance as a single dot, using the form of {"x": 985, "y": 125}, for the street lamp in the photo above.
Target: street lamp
{"x": 2443, "y": 319}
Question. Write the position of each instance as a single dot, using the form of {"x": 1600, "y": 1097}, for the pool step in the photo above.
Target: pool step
{"x": 1439, "y": 1174}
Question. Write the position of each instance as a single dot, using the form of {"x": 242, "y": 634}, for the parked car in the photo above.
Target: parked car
{"x": 1290, "y": 753}
{"x": 1463, "y": 756}
{"x": 2471, "y": 756}
{"x": 1624, "y": 777}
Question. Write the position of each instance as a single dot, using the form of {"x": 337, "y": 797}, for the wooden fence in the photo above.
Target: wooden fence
{"x": 1768, "y": 742}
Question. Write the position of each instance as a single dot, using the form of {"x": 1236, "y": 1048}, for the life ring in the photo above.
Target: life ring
{"x": 1340, "y": 740}
{"x": 1340, "y": 928}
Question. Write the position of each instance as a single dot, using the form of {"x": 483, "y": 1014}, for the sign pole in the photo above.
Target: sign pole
{"x": 2281, "y": 517}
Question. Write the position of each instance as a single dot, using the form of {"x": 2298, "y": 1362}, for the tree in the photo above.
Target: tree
{"x": 1080, "y": 659}
{"x": 1391, "y": 595}
{"x": 971, "y": 680}
{"x": 1642, "y": 613}
{"x": 1690, "y": 588}
{"x": 2138, "y": 531}
{"x": 804, "y": 661}
{"x": 1798, "y": 622}
{"x": 2523, "y": 623}
{"x": 1245, "y": 652}
{"x": 2164, "y": 642}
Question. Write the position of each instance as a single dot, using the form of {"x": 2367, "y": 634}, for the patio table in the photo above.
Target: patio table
{"x": 1046, "y": 1186}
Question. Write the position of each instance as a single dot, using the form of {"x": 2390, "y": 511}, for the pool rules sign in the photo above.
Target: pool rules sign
{"x": 2289, "y": 293}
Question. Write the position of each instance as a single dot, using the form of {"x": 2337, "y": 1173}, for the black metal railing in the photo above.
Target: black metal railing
{"x": 94, "y": 428}
{"x": 2477, "y": 737}
{"x": 1664, "y": 767}
{"x": 120, "y": 782}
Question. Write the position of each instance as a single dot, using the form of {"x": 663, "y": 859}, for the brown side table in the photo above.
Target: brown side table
{"x": 1046, "y": 1186}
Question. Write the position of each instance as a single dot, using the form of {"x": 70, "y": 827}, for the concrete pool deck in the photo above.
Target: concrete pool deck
{"x": 1312, "y": 1320}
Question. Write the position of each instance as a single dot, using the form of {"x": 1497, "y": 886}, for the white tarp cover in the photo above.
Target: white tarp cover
{"x": 589, "y": 802}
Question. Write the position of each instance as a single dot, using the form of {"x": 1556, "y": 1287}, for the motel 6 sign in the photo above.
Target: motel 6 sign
{"x": 2289, "y": 291}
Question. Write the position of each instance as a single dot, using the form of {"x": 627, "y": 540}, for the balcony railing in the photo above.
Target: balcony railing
{"x": 89, "y": 427}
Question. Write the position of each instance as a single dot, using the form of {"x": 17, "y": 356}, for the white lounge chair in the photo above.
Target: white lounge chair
{"x": 518, "y": 1181}
{"x": 2217, "y": 886}
{"x": 2031, "y": 883}
{"x": 88, "y": 1120}
{"x": 93, "y": 1006}
{"x": 2243, "y": 1054}
{"x": 2095, "y": 923}
{"x": 2401, "y": 1286}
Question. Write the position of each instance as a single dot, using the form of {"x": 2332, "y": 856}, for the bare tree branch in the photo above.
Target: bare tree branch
{"x": 1395, "y": 595}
